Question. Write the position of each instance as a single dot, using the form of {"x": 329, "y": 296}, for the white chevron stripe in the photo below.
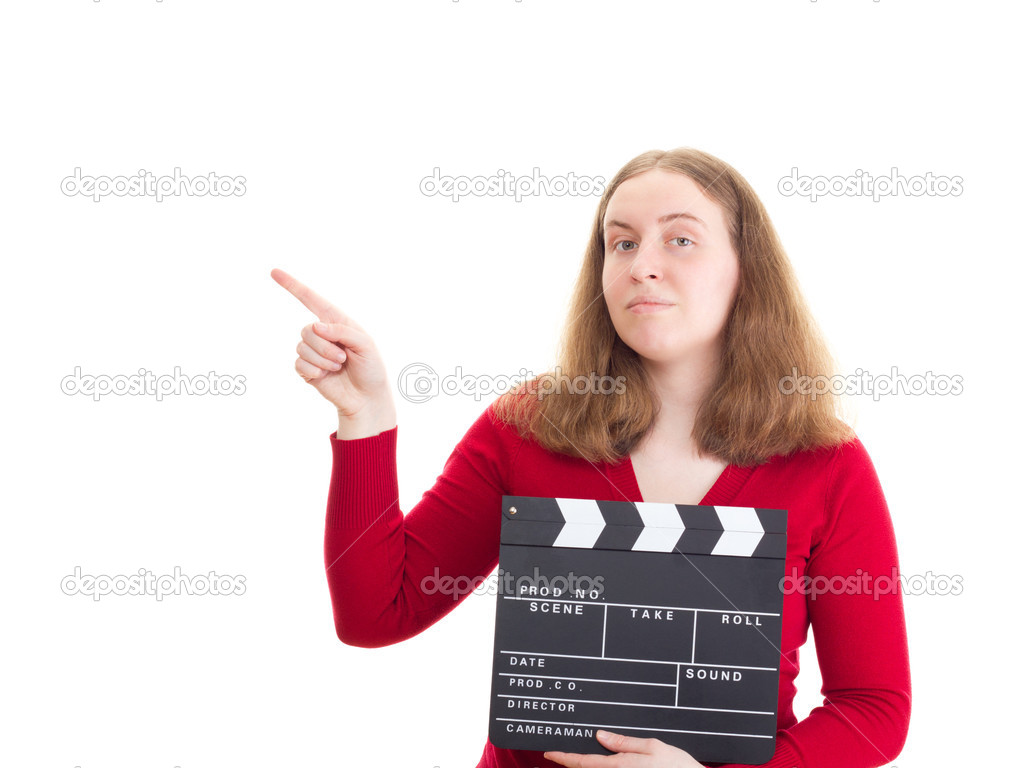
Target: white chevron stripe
{"x": 583, "y": 523}
{"x": 739, "y": 519}
{"x": 662, "y": 527}
{"x": 743, "y": 531}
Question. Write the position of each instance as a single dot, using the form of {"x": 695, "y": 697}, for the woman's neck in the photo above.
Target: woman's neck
{"x": 680, "y": 388}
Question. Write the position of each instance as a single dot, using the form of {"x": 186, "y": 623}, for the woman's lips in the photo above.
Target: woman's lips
{"x": 647, "y": 307}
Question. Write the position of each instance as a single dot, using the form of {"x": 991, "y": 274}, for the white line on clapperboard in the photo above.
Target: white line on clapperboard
{"x": 582, "y": 679}
{"x": 635, "y": 661}
{"x": 635, "y": 605}
{"x": 630, "y": 703}
{"x": 632, "y": 727}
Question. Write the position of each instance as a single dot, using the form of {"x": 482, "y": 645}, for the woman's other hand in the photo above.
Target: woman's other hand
{"x": 631, "y": 752}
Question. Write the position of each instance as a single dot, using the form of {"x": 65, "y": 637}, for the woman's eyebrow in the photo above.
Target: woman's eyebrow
{"x": 663, "y": 220}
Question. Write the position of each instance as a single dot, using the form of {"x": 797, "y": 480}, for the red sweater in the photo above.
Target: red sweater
{"x": 838, "y": 526}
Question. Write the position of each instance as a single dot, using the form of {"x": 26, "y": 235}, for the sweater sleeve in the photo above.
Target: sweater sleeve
{"x": 856, "y": 610}
{"x": 391, "y": 575}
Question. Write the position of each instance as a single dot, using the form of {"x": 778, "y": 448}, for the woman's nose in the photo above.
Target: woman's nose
{"x": 646, "y": 264}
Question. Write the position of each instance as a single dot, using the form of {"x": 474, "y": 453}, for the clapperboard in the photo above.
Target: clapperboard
{"x": 647, "y": 619}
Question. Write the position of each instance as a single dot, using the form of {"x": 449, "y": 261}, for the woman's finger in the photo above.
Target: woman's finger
{"x": 327, "y": 350}
{"x": 618, "y": 742}
{"x": 348, "y": 336}
{"x": 311, "y": 300}
{"x": 308, "y": 371}
{"x": 573, "y": 760}
{"x": 314, "y": 358}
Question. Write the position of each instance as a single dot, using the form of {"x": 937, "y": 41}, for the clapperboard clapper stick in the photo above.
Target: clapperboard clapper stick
{"x": 647, "y": 619}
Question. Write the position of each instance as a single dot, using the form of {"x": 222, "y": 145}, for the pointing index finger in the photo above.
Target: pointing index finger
{"x": 312, "y": 300}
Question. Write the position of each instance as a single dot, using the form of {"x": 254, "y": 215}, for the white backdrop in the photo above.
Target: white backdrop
{"x": 328, "y": 115}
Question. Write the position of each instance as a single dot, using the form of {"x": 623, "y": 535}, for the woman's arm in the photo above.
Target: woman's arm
{"x": 390, "y": 576}
{"x": 387, "y": 573}
{"x": 860, "y": 633}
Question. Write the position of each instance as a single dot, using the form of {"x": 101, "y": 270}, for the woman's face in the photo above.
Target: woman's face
{"x": 665, "y": 240}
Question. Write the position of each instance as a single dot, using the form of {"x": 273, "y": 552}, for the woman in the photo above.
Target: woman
{"x": 685, "y": 292}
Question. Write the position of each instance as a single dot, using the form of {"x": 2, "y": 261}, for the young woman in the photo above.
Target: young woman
{"x": 686, "y": 292}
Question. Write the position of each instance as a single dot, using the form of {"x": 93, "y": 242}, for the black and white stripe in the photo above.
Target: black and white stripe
{"x": 644, "y": 526}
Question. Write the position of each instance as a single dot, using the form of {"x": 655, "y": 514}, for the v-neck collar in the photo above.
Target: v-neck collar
{"x": 723, "y": 492}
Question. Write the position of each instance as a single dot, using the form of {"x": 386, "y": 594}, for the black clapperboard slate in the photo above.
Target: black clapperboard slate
{"x": 647, "y": 619}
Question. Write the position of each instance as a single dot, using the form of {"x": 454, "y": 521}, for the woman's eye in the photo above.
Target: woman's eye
{"x": 683, "y": 238}
{"x": 624, "y": 242}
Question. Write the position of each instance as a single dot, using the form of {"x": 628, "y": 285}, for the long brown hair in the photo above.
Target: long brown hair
{"x": 744, "y": 418}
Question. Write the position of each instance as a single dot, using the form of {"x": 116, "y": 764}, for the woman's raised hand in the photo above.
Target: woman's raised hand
{"x": 340, "y": 360}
